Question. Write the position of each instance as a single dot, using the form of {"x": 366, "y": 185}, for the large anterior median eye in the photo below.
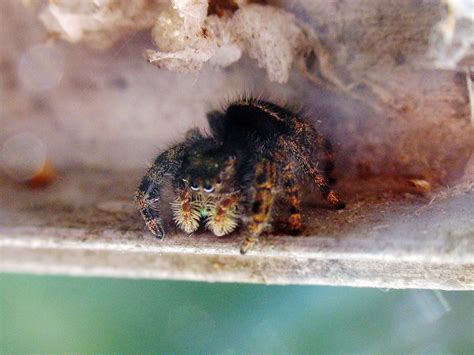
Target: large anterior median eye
{"x": 208, "y": 188}
{"x": 194, "y": 187}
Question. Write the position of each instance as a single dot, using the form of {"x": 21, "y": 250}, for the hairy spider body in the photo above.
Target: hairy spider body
{"x": 256, "y": 151}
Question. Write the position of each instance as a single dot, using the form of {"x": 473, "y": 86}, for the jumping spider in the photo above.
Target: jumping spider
{"x": 256, "y": 151}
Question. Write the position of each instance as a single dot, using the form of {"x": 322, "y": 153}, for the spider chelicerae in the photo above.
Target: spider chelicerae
{"x": 256, "y": 151}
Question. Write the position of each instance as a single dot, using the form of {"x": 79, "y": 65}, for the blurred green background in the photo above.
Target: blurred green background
{"x": 61, "y": 314}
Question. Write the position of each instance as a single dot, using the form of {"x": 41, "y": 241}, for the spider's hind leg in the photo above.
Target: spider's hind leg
{"x": 323, "y": 184}
{"x": 328, "y": 157}
{"x": 305, "y": 157}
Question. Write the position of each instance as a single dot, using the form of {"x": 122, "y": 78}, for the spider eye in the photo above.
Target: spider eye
{"x": 208, "y": 188}
{"x": 194, "y": 187}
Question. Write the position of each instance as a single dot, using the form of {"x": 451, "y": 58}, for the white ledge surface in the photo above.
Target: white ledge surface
{"x": 85, "y": 224}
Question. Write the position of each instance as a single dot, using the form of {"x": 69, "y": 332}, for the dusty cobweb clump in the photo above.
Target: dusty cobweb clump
{"x": 188, "y": 33}
{"x": 99, "y": 23}
{"x": 188, "y": 39}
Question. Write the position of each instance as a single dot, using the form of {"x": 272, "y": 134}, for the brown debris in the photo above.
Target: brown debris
{"x": 222, "y": 7}
{"x": 45, "y": 176}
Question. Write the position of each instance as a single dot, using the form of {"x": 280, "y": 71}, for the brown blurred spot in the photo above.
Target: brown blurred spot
{"x": 222, "y": 7}
{"x": 45, "y": 176}
{"x": 422, "y": 186}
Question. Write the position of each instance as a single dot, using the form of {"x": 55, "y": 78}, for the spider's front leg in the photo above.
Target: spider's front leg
{"x": 261, "y": 201}
{"x": 148, "y": 195}
{"x": 290, "y": 184}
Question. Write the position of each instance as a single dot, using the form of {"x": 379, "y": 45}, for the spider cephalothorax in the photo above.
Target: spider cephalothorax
{"x": 257, "y": 150}
{"x": 206, "y": 189}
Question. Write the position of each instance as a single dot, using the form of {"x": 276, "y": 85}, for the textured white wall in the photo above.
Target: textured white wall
{"x": 113, "y": 109}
